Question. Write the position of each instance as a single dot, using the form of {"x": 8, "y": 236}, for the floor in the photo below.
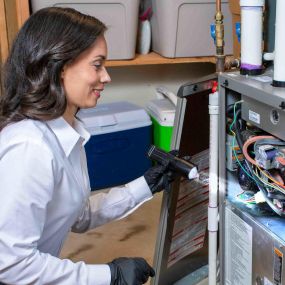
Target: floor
{"x": 134, "y": 235}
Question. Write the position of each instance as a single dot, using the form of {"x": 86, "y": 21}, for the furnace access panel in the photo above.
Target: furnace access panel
{"x": 251, "y": 182}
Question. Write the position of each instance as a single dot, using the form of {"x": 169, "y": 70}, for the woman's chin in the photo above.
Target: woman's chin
{"x": 90, "y": 105}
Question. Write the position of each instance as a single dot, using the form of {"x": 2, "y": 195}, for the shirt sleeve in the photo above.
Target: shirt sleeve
{"x": 115, "y": 204}
{"x": 27, "y": 182}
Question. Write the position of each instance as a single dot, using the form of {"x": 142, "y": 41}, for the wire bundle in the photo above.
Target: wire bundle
{"x": 263, "y": 179}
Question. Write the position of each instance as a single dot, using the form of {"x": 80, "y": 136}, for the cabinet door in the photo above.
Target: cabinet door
{"x": 13, "y": 13}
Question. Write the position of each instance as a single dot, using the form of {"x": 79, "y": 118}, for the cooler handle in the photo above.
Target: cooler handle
{"x": 162, "y": 92}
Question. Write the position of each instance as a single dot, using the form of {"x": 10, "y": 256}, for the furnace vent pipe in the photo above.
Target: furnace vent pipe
{"x": 279, "y": 53}
{"x": 251, "y": 36}
{"x": 213, "y": 187}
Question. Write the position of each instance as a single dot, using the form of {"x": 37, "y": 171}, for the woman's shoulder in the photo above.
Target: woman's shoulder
{"x": 23, "y": 131}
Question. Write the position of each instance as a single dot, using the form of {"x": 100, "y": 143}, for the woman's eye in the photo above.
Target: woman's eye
{"x": 98, "y": 65}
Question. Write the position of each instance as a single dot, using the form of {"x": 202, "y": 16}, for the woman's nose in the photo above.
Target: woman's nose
{"x": 105, "y": 78}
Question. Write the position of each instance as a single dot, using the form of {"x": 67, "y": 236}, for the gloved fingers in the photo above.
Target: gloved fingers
{"x": 151, "y": 272}
{"x": 163, "y": 182}
{"x": 145, "y": 269}
{"x": 130, "y": 271}
{"x": 142, "y": 263}
{"x": 171, "y": 175}
{"x": 156, "y": 170}
{"x": 153, "y": 175}
{"x": 161, "y": 168}
{"x": 144, "y": 278}
{"x": 158, "y": 186}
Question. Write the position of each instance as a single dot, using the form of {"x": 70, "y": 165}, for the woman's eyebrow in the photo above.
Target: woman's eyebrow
{"x": 99, "y": 57}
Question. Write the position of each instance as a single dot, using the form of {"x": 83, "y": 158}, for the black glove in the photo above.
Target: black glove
{"x": 130, "y": 271}
{"x": 159, "y": 177}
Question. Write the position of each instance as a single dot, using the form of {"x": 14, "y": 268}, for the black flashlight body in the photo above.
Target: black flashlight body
{"x": 175, "y": 163}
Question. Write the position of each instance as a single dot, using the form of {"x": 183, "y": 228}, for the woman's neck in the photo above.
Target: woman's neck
{"x": 69, "y": 116}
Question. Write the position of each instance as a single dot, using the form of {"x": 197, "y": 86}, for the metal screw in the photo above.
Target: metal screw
{"x": 282, "y": 105}
{"x": 226, "y": 83}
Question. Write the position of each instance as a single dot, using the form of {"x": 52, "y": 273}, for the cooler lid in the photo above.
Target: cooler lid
{"x": 113, "y": 117}
{"x": 162, "y": 110}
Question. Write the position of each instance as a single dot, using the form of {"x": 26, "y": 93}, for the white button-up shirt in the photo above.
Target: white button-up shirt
{"x": 44, "y": 193}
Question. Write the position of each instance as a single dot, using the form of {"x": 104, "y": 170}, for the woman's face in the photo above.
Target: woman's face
{"x": 84, "y": 78}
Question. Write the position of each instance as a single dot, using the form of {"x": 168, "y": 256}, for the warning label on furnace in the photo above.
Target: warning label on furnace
{"x": 238, "y": 250}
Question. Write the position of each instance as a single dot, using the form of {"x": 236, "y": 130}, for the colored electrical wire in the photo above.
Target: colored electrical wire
{"x": 233, "y": 142}
{"x": 258, "y": 182}
{"x": 248, "y": 143}
{"x": 252, "y": 161}
{"x": 271, "y": 178}
{"x": 246, "y": 201}
{"x": 276, "y": 187}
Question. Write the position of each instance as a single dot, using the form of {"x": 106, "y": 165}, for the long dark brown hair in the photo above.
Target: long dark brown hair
{"x": 50, "y": 38}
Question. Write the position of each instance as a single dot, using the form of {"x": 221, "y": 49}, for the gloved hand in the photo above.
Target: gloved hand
{"x": 158, "y": 177}
{"x": 130, "y": 271}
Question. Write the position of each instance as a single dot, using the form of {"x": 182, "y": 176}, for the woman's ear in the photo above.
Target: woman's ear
{"x": 62, "y": 72}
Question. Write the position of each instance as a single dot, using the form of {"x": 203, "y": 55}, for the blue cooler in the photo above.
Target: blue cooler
{"x": 120, "y": 138}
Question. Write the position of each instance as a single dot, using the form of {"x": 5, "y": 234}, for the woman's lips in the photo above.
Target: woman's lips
{"x": 96, "y": 93}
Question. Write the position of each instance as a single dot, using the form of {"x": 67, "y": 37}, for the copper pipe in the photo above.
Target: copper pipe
{"x": 220, "y": 63}
{"x": 219, "y": 28}
{"x": 218, "y": 6}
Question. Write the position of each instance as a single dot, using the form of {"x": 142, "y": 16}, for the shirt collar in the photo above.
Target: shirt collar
{"x": 67, "y": 135}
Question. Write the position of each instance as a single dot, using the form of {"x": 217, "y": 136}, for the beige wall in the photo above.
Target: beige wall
{"x": 137, "y": 84}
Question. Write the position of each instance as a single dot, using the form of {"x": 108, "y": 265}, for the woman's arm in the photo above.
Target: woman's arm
{"x": 115, "y": 204}
{"x": 27, "y": 183}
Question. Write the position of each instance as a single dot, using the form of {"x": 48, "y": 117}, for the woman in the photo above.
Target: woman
{"x": 56, "y": 66}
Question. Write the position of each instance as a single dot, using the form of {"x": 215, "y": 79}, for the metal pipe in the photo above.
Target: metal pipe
{"x": 232, "y": 63}
{"x": 219, "y": 29}
{"x": 213, "y": 187}
{"x": 220, "y": 63}
{"x": 213, "y": 171}
{"x": 218, "y": 5}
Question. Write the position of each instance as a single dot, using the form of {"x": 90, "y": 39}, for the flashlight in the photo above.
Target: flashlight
{"x": 182, "y": 166}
